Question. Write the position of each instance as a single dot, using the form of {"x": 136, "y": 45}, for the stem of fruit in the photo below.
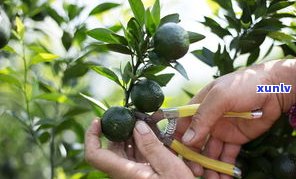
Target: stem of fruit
{"x": 133, "y": 80}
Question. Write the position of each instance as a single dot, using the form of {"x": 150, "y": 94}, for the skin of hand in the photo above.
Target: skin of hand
{"x": 221, "y": 138}
{"x": 162, "y": 164}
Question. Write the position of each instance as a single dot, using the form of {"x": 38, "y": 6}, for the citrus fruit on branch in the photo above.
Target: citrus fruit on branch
{"x": 118, "y": 123}
{"x": 4, "y": 28}
{"x": 147, "y": 95}
{"x": 171, "y": 41}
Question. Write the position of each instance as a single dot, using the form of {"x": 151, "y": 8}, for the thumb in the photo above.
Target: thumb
{"x": 159, "y": 157}
{"x": 211, "y": 109}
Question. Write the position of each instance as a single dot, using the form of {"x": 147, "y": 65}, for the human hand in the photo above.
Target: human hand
{"x": 162, "y": 163}
{"x": 220, "y": 138}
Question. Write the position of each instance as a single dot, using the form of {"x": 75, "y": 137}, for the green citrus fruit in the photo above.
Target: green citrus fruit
{"x": 284, "y": 166}
{"x": 118, "y": 123}
{"x": 171, "y": 41}
{"x": 147, "y": 95}
{"x": 4, "y": 28}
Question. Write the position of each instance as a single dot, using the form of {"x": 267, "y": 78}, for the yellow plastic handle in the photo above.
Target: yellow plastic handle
{"x": 204, "y": 161}
{"x": 189, "y": 110}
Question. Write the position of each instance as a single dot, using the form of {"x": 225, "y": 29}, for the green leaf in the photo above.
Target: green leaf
{"x": 75, "y": 70}
{"x": 279, "y": 5}
{"x": 112, "y": 47}
{"x": 55, "y": 16}
{"x": 138, "y": 10}
{"x": 76, "y": 111}
{"x": 10, "y": 79}
{"x": 55, "y": 97}
{"x": 170, "y": 18}
{"x": 153, "y": 69}
{"x": 20, "y": 27}
{"x": 103, "y": 7}
{"x": 162, "y": 79}
{"x": 67, "y": 40}
{"x": 43, "y": 57}
{"x": 94, "y": 101}
{"x": 227, "y": 5}
{"x": 179, "y": 67}
{"x": 223, "y": 61}
{"x": 73, "y": 11}
{"x": 268, "y": 25}
{"x": 8, "y": 49}
{"x": 106, "y": 73}
{"x": 127, "y": 73}
{"x": 119, "y": 39}
{"x": 149, "y": 23}
{"x": 44, "y": 137}
{"x": 283, "y": 15}
{"x": 234, "y": 23}
{"x": 215, "y": 27}
{"x": 253, "y": 56}
{"x": 156, "y": 12}
{"x": 195, "y": 37}
{"x": 205, "y": 55}
{"x": 105, "y": 35}
{"x": 280, "y": 36}
{"x": 189, "y": 94}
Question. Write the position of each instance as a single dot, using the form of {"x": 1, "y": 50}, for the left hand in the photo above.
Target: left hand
{"x": 118, "y": 164}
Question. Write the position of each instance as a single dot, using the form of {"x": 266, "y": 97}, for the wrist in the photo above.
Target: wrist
{"x": 284, "y": 71}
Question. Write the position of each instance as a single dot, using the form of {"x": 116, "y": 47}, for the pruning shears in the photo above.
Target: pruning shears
{"x": 166, "y": 136}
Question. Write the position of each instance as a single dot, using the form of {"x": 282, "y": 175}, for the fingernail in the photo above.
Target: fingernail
{"x": 188, "y": 136}
{"x": 142, "y": 127}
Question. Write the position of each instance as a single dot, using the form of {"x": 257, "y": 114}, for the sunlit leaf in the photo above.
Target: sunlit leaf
{"x": 9, "y": 79}
{"x": 103, "y": 8}
{"x": 94, "y": 101}
{"x": 55, "y": 97}
{"x": 280, "y": 36}
{"x": 20, "y": 27}
{"x": 43, "y": 57}
{"x": 8, "y": 49}
{"x": 138, "y": 10}
{"x": 106, "y": 35}
{"x": 149, "y": 23}
{"x": 111, "y": 47}
{"x": 156, "y": 12}
{"x": 106, "y": 73}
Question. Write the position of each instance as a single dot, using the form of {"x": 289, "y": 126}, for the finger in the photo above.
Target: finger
{"x": 208, "y": 113}
{"x": 213, "y": 148}
{"x": 160, "y": 158}
{"x": 183, "y": 123}
{"x": 210, "y": 174}
{"x": 196, "y": 169}
{"x": 229, "y": 154}
{"x": 102, "y": 159}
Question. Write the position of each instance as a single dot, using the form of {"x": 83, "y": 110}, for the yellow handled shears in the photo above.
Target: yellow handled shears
{"x": 167, "y": 136}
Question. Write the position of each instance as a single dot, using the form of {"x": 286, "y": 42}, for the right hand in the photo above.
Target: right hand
{"x": 235, "y": 92}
